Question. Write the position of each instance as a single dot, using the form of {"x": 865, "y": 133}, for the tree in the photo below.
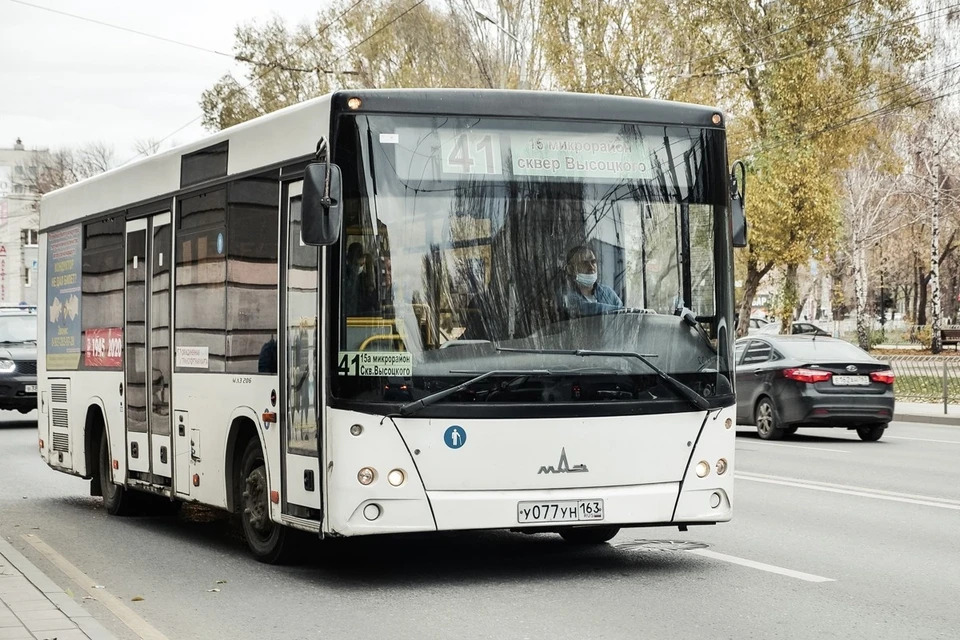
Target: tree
{"x": 51, "y": 170}
{"x": 384, "y": 44}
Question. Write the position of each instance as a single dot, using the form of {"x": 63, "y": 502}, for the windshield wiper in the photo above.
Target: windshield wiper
{"x": 412, "y": 407}
{"x": 688, "y": 394}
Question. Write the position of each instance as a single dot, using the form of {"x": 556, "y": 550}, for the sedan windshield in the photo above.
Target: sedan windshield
{"x": 474, "y": 245}
{"x": 18, "y": 328}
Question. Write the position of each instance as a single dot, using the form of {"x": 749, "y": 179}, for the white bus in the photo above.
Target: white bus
{"x": 396, "y": 311}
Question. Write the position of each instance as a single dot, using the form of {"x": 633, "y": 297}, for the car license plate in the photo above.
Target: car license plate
{"x": 851, "y": 381}
{"x": 31, "y": 388}
{"x": 560, "y": 511}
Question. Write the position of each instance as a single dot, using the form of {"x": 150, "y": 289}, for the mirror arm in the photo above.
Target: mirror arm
{"x": 323, "y": 155}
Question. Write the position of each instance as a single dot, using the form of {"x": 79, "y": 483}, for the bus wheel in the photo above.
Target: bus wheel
{"x": 117, "y": 500}
{"x": 270, "y": 542}
{"x": 589, "y": 535}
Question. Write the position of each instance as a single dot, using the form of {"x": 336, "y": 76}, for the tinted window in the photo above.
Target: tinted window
{"x": 758, "y": 352}
{"x": 201, "y": 302}
{"x": 252, "y": 232}
{"x": 203, "y": 165}
{"x": 102, "y": 283}
{"x": 821, "y": 350}
{"x": 738, "y": 351}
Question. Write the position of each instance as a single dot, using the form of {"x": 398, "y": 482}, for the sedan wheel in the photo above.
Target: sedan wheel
{"x": 871, "y": 434}
{"x": 768, "y": 420}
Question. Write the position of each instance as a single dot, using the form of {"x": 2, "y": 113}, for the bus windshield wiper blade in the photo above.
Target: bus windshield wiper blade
{"x": 689, "y": 394}
{"x": 412, "y": 407}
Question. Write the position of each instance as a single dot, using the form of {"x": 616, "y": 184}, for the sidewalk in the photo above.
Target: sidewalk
{"x": 929, "y": 412}
{"x": 32, "y": 607}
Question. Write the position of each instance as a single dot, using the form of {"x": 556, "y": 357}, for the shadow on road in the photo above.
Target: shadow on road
{"x": 803, "y": 438}
{"x": 415, "y": 559}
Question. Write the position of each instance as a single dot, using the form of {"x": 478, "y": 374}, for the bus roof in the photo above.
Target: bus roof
{"x": 293, "y": 132}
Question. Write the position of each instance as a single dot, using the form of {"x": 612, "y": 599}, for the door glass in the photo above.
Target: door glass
{"x": 757, "y": 353}
{"x": 135, "y": 333}
{"x": 160, "y": 333}
{"x": 301, "y": 339}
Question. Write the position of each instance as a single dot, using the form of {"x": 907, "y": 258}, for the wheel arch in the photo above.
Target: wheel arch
{"x": 244, "y": 426}
{"x": 94, "y": 426}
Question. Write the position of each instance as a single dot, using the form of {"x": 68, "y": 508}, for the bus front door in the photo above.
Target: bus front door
{"x": 299, "y": 364}
{"x": 147, "y": 346}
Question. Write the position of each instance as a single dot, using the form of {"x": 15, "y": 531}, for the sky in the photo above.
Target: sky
{"x": 65, "y": 82}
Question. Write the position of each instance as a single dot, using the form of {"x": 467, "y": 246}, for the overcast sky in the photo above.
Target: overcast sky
{"x": 65, "y": 82}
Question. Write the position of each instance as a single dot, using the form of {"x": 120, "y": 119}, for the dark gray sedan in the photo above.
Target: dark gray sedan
{"x": 787, "y": 382}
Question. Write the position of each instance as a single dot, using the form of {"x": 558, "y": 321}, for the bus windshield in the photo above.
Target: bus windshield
{"x": 479, "y": 244}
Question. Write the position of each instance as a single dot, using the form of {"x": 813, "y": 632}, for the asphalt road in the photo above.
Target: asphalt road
{"x": 832, "y": 538}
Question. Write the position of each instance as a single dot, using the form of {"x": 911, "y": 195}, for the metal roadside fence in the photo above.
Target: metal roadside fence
{"x": 925, "y": 378}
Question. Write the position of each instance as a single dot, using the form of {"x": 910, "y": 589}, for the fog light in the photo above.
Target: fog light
{"x": 703, "y": 468}
{"x": 728, "y": 423}
{"x": 372, "y": 511}
{"x": 714, "y": 500}
{"x": 356, "y": 430}
{"x": 396, "y": 477}
{"x": 366, "y": 476}
{"x": 721, "y": 466}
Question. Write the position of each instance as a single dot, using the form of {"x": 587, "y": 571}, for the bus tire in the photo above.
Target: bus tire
{"x": 590, "y": 535}
{"x": 117, "y": 499}
{"x": 269, "y": 542}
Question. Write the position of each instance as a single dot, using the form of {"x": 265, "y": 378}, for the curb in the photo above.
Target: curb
{"x": 945, "y": 420}
{"x": 77, "y": 614}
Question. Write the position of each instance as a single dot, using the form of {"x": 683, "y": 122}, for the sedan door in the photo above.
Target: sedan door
{"x": 754, "y": 375}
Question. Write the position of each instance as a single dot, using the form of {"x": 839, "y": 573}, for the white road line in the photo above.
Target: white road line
{"x": 877, "y": 494}
{"x": 923, "y": 439}
{"x": 799, "y": 575}
{"x": 792, "y": 446}
{"x": 138, "y": 625}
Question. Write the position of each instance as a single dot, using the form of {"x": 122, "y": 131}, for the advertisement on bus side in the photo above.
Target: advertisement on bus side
{"x": 64, "y": 265}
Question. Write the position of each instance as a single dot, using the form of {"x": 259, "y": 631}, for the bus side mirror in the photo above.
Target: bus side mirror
{"x": 737, "y": 213}
{"x": 321, "y": 210}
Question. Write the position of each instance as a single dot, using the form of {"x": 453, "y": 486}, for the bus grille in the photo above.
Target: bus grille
{"x": 59, "y": 418}
{"x": 61, "y": 442}
{"x": 58, "y": 393}
{"x": 28, "y": 367}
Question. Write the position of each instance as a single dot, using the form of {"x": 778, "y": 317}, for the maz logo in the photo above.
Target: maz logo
{"x": 563, "y": 466}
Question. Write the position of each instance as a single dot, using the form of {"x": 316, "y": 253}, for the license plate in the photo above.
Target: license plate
{"x": 560, "y": 511}
{"x": 30, "y": 388}
{"x": 851, "y": 381}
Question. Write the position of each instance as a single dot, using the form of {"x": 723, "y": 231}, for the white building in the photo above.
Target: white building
{"x": 18, "y": 227}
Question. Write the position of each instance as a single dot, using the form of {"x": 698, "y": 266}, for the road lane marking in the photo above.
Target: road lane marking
{"x": 796, "y": 446}
{"x": 799, "y": 575}
{"x": 923, "y": 439}
{"x": 878, "y": 494}
{"x": 114, "y": 604}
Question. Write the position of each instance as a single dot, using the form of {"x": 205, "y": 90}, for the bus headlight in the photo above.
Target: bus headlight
{"x": 396, "y": 477}
{"x": 703, "y": 468}
{"x": 7, "y": 365}
{"x": 366, "y": 476}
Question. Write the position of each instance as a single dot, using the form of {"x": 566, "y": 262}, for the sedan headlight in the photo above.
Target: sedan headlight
{"x": 7, "y": 365}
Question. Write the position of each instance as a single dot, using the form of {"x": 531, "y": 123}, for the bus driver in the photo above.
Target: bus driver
{"x": 584, "y": 296}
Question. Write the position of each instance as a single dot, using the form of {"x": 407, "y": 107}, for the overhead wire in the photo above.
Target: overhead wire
{"x": 122, "y": 28}
{"x": 256, "y": 79}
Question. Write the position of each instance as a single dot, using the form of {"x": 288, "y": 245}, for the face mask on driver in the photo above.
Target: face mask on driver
{"x": 586, "y": 279}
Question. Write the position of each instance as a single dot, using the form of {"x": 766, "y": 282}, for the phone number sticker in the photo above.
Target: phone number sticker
{"x": 375, "y": 364}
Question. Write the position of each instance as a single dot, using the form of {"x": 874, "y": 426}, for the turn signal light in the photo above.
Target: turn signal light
{"x": 41, "y": 444}
{"x": 807, "y": 375}
{"x": 883, "y": 377}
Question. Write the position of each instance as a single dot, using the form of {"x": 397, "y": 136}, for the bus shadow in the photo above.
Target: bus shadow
{"x": 474, "y": 557}
{"x": 405, "y": 560}
{"x": 803, "y": 438}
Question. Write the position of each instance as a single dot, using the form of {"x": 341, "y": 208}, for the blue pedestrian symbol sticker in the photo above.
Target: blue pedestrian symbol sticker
{"x": 455, "y": 437}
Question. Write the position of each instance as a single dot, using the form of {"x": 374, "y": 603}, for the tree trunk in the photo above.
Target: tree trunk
{"x": 935, "y": 344}
{"x": 755, "y": 274}
{"x": 922, "y": 279}
{"x": 860, "y": 294}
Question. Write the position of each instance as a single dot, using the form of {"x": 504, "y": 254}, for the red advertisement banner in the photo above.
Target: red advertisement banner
{"x": 103, "y": 348}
